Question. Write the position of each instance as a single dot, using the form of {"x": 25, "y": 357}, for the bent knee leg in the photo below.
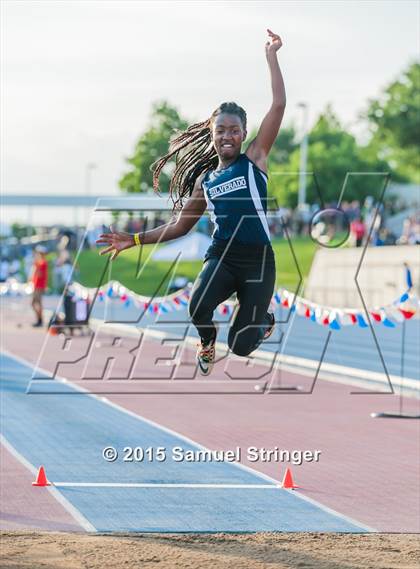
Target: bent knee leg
{"x": 242, "y": 343}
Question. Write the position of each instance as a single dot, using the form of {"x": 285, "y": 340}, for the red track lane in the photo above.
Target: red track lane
{"x": 368, "y": 468}
{"x": 24, "y": 507}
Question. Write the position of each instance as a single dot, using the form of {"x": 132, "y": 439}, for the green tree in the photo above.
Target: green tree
{"x": 20, "y": 230}
{"x": 332, "y": 153}
{"x": 283, "y": 146}
{"x": 394, "y": 121}
{"x": 165, "y": 121}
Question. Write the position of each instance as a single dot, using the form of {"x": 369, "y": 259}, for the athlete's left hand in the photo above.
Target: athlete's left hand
{"x": 274, "y": 43}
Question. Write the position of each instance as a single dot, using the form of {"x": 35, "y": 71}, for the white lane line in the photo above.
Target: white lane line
{"x": 74, "y": 512}
{"x": 334, "y": 373}
{"x": 162, "y": 485}
{"x": 256, "y": 473}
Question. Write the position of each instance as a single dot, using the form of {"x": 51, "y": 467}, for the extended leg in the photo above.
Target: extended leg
{"x": 214, "y": 284}
{"x": 37, "y": 305}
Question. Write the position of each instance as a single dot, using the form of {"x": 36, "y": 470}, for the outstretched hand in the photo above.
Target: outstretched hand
{"x": 273, "y": 44}
{"x": 117, "y": 241}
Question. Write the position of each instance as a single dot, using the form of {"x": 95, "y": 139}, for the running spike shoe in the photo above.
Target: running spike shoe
{"x": 271, "y": 326}
{"x": 206, "y": 355}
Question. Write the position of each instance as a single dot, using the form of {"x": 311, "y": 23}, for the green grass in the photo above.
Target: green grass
{"x": 155, "y": 273}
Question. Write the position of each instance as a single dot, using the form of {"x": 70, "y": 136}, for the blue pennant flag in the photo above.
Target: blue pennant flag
{"x": 388, "y": 323}
{"x": 277, "y": 298}
{"x": 313, "y": 317}
{"x": 361, "y": 321}
{"x": 127, "y": 303}
{"x": 408, "y": 277}
{"x": 404, "y": 297}
{"x": 334, "y": 325}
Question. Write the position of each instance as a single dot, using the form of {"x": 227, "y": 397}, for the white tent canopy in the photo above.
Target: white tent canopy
{"x": 192, "y": 248}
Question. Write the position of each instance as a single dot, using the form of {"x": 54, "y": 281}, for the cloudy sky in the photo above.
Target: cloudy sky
{"x": 79, "y": 78}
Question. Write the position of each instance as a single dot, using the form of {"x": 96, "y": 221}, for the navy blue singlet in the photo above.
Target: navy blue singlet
{"x": 237, "y": 201}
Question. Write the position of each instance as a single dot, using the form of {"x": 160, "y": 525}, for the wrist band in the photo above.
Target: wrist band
{"x": 137, "y": 239}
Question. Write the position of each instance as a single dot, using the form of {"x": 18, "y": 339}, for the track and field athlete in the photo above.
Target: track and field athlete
{"x": 212, "y": 173}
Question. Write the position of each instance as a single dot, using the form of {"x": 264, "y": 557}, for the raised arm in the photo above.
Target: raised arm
{"x": 260, "y": 147}
{"x": 193, "y": 209}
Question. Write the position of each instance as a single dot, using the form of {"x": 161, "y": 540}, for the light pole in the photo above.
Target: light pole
{"x": 90, "y": 166}
{"x": 303, "y": 156}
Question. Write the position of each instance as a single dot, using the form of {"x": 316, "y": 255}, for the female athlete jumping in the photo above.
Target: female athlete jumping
{"x": 212, "y": 173}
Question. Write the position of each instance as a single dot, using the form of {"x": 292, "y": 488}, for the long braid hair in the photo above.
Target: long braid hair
{"x": 194, "y": 154}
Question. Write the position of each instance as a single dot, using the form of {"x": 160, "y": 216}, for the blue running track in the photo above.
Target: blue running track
{"x": 67, "y": 435}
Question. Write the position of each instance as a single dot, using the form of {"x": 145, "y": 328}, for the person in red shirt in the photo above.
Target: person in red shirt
{"x": 358, "y": 230}
{"x": 39, "y": 279}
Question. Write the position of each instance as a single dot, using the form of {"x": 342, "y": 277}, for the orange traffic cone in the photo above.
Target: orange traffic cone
{"x": 41, "y": 479}
{"x": 288, "y": 480}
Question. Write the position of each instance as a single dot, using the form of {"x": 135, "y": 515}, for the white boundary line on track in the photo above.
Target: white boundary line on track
{"x": 294, "y": 364}
{"x": 74, "y": 512}
{"x": 161, "y": 485}
{"x": 169, "y": 431}
{"x": 333, "y": 373}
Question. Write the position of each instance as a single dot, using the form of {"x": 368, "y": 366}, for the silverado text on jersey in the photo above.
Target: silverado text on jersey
{"x": 237, "y": 200}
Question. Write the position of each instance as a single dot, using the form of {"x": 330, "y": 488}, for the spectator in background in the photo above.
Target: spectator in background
{"x": 4, "y": 269}
{"x": 358, "y": 231}
{"x": 39, "y": 279}
{"x": 411, "y": 231}
{"x": 15, "y": 269}
{"x": 355, "y": 210}
{"x": 352, "y": 210}
{"x": 63, "y": 255}
{"x": 385, "y": 237}
{"x": 66, "y": 273}
{"x": 283, "y": 220}
{"x": 301, "y": 219}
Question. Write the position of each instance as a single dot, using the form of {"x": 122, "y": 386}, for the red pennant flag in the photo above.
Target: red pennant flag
{"x": 376, "y": 316}
{"x": 407, "y": 313}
